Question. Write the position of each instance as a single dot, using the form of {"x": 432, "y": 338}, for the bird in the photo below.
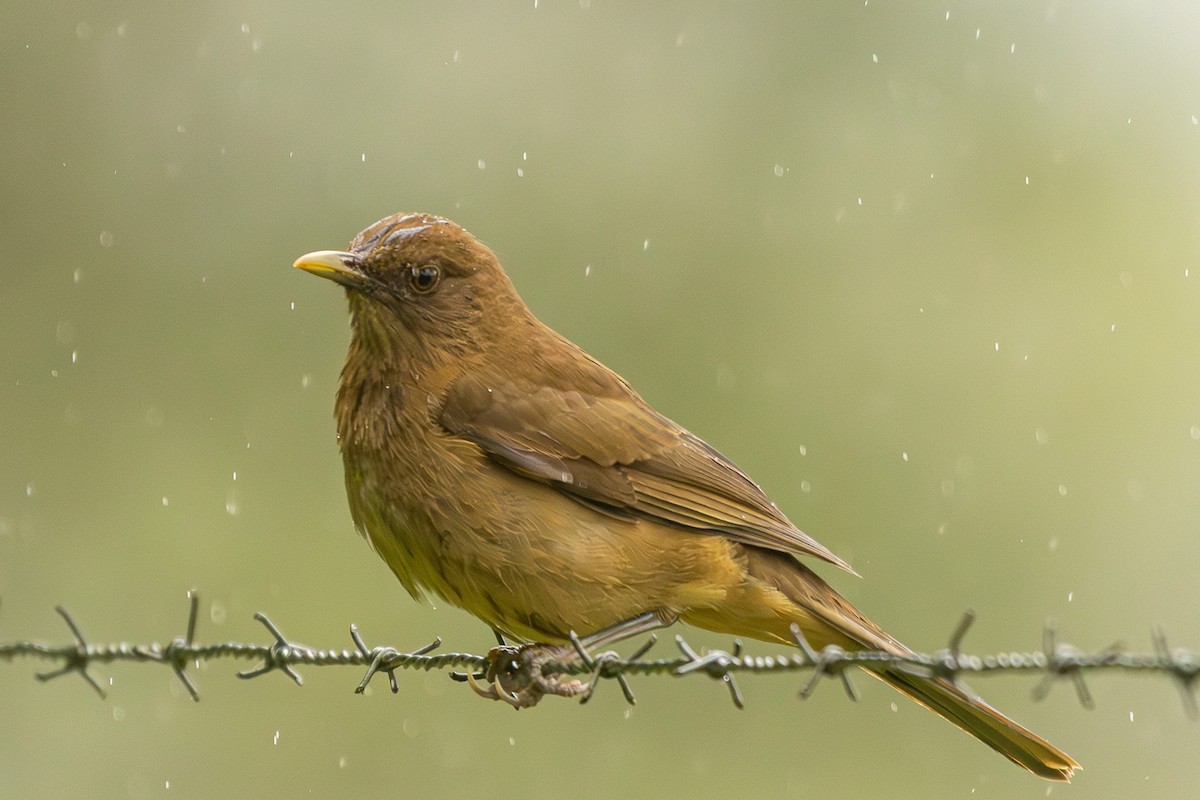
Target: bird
{"x": 496, "y": 465}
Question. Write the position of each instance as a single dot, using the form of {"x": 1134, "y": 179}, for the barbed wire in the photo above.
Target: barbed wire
{"x": 520, "y": 676}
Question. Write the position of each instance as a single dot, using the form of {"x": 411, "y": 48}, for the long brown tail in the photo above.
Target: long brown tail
{"x": 826, "y": 617}
{"x": 985, "y": 723}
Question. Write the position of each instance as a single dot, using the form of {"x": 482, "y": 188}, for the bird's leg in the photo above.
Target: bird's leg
{"x": 643, "y": 623}
{"x": 517, "y": 676}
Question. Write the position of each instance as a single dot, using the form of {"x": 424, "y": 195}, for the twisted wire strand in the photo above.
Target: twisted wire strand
{"x": 1056, "y": 661}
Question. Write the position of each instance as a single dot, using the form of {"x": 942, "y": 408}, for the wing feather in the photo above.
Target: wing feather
{"x": 607, "y": 448}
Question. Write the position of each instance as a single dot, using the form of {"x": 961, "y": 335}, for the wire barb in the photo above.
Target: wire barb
{"x": 830, "y": 661}
{"x": 599, "y": 665}
{"x": 74, "y": 660}
{"x": 1062, "y": 661}
{"x": 387, "y": 659}
{"x": 1182, "y": 666}
{"x": 178, "y": 652}
{"x": 715, "y": 663}
{"x": 278, "y": 657}
{"x": 948, "y": 663}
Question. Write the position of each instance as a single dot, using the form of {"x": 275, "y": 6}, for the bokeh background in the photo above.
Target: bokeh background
{"x": 929, "y": 271}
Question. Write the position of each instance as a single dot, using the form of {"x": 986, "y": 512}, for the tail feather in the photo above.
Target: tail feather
{"x": 974, "y": 716}
{"x": 798, "y": 595}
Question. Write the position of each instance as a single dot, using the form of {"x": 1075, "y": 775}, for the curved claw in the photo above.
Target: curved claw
{"x": 488, "y": 693}
{"x": 507, "y": 696}
{"x": 495, "y": 691}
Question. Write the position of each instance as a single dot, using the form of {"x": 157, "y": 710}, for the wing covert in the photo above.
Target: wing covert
{"x": 613, "y": 451}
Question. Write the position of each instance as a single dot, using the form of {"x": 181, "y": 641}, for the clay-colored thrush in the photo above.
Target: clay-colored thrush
{"x": 493, "y": 463}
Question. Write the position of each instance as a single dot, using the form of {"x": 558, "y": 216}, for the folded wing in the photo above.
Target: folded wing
{"x": 607, "y": 448}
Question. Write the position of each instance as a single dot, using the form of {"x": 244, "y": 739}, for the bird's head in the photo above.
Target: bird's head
{"x": 420, "y": 285}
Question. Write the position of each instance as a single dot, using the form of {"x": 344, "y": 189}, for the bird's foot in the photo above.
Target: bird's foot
{"x": 515, "y": 675}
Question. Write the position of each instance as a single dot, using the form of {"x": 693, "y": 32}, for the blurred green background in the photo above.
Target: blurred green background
{"x": 929, "y": 272}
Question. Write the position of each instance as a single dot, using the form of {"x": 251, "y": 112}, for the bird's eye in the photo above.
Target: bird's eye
{"x": 424, "y": 278}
